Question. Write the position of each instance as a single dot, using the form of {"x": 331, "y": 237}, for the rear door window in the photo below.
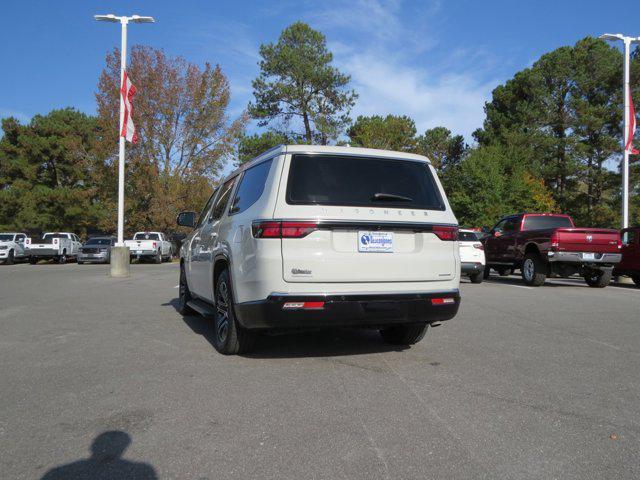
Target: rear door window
{"x": 251, "y": 187}
{"x": 362, "y": 181}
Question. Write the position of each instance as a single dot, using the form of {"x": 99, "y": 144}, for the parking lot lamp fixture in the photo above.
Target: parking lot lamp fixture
{"x": 626, "y": 94}
{"x": 124, "y": 21}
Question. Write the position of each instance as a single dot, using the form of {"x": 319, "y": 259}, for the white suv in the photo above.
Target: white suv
{"x": 316, "y": 236}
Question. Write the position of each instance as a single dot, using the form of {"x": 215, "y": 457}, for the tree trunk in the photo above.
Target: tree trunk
{"x": 307, "y": 127}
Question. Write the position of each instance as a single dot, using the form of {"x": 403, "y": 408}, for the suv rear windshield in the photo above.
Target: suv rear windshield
{"x": 540, "y": 222}
{"x": 467, "y": 237}
{"x": 361, "y": 181}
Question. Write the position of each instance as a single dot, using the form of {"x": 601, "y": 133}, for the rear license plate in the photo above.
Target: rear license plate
{"x": 375, "y": 242}
{"x": 588, "y": 256}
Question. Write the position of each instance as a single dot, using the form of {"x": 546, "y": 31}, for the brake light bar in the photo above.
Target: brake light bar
{"x": 443, "y": 301}
{"x": 271, "y": 229}
{"x": 303, "y": 306}
{"x": 446, "y": 232}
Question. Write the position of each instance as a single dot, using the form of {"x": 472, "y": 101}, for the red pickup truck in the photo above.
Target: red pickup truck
{"x": 630, "y": 263}
{"x": 544, "y": 244}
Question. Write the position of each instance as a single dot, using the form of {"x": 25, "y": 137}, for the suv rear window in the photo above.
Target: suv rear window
{"x": 540, "y": 222}
{"x": 467, "y": 237}
{"x": 361, "y": 181}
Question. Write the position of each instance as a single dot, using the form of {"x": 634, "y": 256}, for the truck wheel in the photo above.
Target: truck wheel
{"x": 33, "y": 260}
{"x": 598, "y": 279}
{"x": 158, "y": 257}
{"x": 62, "y": 259}
{"x": 10, "y": 258}
{"x": 636, "y": 279}
{"x": 476, "y": 277}
{"x": 184, "y": 295}
{"x": 404, "y": 334}
{"x": 532, "y": 270}
{"x": 229, "y": 337}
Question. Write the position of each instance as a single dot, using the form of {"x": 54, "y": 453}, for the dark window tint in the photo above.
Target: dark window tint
{"x": 222, "y": 200}
{"x": 49, "y": 236}
{"x": 6, "y": 238}
{"x": 98, "y": 241}
{"x": 629, "y": 237}
{"x": 361, "y": 181}
{"x": 511, "y": 225}
{"x": 467, "y": 237}
{"x": 251, "y": 187}
{"x": 146, "y": 236}
{"x": 539, "y": 222}
{"x": 207, "y": 207}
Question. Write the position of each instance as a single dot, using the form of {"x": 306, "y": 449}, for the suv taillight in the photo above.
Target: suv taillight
{"x": 271, "y": 229}
{"x": 445, "y": 232}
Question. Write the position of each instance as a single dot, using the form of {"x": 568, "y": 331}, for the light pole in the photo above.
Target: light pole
{"x": 120, "y": 255}
{"x": 626, "y": 93}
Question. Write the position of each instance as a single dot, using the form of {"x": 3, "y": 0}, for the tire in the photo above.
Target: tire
{"x": 158, "y": 257}
{"x": 80, "y": 263}
{"x": 476, "y": 277}
{"x": 229, "y": 338}
{"x": 404, "y": 334}
{"x": 33, "y": 260}
{"x": 62, "y": 259}
{"x": 532, "y": 270}
{"x": 184, "y": 295}
{"x": 598, "y": 279}
{"x": 636, "y": 279}
{"x": 505, "y": 272}
{"x": 10, "y": 258}
{"x": 486, "y": 272}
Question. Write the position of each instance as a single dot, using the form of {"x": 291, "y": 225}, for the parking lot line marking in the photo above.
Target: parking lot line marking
{"x": 508, "y": 284}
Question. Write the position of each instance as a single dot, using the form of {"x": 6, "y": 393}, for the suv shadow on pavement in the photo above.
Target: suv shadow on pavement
{"x": 105, "y": 463}
{"x": 328, "y": 342}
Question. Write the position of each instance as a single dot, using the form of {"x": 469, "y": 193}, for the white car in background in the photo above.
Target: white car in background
{"x": 472, "y": 259}
{"x": 150, "y": 245}
{"x": 12, "y": 247}
{"x": 58, "y": 246}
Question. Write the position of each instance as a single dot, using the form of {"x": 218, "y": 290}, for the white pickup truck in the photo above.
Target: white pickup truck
{"x": 58, "y": 246}
{"x": 12, "y": 247}
{"x": 150, "y": 245}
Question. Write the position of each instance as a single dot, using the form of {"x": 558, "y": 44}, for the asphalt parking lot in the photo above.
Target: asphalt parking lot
{"x": 524, "y": 383}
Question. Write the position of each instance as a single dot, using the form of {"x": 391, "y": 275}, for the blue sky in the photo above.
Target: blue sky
{"x": 436, "y": 61}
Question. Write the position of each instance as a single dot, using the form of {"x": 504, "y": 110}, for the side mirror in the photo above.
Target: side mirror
{"x": 497, "y": 233}
{"x": 186, "y": 219}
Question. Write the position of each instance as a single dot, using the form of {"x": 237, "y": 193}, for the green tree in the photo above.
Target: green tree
{"x": 387, "y": 133}
{"x": 562, "y": 115}
{"x": 443, "y": 149}
{"x": 49, "y": 171}
{"x": 250, "y": 146}
{"x": 491, "y": 182}
{"x": 298, "y": 85}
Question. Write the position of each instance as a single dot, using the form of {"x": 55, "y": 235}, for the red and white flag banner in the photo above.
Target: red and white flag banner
{"x": 628, "y": 147}
{"x": 128, "y": 90}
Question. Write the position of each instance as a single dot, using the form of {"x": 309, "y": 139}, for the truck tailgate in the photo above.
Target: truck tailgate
{"x": 598, "y": 240}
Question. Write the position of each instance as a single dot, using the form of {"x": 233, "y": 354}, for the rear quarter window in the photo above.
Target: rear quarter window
{"x": 362, "y": 181}
{"x": 251, "y": 187}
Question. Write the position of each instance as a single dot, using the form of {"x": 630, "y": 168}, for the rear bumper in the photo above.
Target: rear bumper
{"x": 471, "y": 267}
{"x": 375, "y": 310}
{"x": 577, "y": 257}
{"x": 43, "y": 252}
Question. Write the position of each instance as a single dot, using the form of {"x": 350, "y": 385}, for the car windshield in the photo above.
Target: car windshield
{"x": 362, "y": 181}
{"x": 5, "y": 237}
{"x": 542, "y": 222}
{"x": 146, "y": 236}
{"x": 467, "y": 236}
{"x": 48, "y": 236}
{"x": 98, "y": 241}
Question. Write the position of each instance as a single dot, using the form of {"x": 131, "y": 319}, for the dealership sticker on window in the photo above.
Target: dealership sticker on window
{"x": 375, "y": 242}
